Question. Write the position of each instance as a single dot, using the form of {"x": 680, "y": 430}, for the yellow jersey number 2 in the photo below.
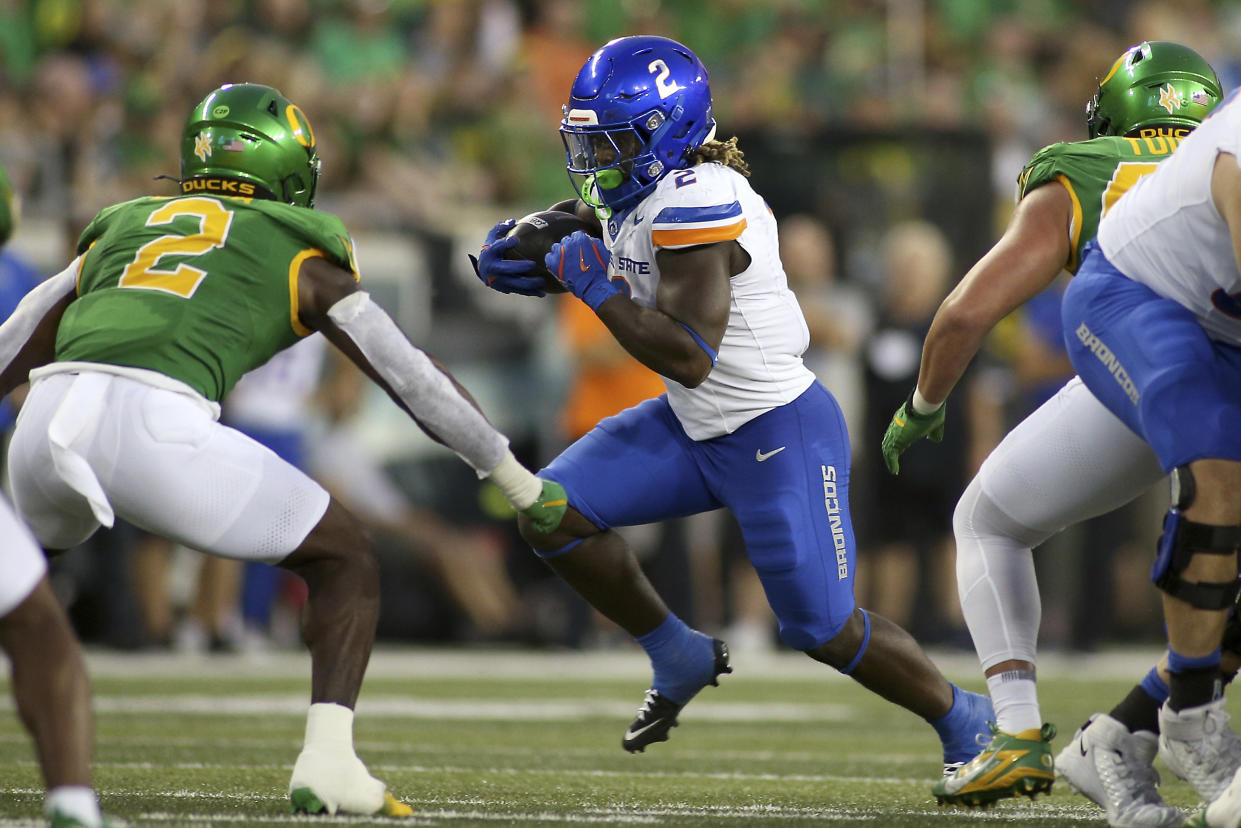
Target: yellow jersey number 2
{"x": 214, "y": 221}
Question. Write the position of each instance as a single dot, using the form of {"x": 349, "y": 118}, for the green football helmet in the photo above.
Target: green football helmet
{"x": 251, "y": 134}
{"x": 1156, "y": 83}
{"x": 10, "y": 207}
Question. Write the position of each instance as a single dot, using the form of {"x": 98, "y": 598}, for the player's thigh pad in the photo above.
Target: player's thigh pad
{"x": 167, "y": 466}
{"x": 634, "y": 467}
{"x": 22, "y": 565}
{"x": 1071, "y": 459}
{"x": 785, "y": 477}
{"x": 1150, "y": 362}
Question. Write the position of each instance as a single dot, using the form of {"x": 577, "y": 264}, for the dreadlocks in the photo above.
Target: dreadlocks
{"x": 721, "y": 152}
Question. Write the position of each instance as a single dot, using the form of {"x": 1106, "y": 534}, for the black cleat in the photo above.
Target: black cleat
{"x": 658, "y": 714}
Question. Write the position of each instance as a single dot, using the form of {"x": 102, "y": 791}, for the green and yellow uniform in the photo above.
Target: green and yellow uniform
{"x": 1097, "y": 173}
{"x": 200, "y": 288}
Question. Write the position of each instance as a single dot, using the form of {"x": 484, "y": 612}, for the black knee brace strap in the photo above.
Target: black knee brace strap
{"x": 1181, "y": 540}
{"x": 1232, "y": 633}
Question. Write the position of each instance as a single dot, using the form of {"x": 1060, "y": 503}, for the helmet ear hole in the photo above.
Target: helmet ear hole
{"x": 273, "y": 109}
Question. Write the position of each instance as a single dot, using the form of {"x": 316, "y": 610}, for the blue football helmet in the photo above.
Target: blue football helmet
{"x": 636, "y": 110}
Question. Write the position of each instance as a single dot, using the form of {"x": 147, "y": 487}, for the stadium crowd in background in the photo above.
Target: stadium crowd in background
{"x": 432, "y": 118}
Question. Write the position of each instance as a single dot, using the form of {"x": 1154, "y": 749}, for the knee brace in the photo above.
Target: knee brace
{"x": 1182, "y": 539}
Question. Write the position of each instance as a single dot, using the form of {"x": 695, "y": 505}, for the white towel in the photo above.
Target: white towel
{"x": 79, "y": 414}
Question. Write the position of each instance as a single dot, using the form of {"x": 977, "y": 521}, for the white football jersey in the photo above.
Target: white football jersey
{"x": 759, "y": 366}
{"x": 277, "y": 394}
{"x": 1166, "y": 233}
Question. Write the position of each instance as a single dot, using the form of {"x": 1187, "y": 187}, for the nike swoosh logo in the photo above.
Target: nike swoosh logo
{"x": 581, "y": 261}
{"x": 633, "y": 734}
{"x": 760, "y": 456}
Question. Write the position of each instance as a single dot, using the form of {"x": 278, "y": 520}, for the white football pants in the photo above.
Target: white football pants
{"x": 22, "y": 565}
{"x": 1070, "y": 460}
{"x": 91, "y": 444}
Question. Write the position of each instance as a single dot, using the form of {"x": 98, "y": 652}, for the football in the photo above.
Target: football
{"x": 536, "y": 233}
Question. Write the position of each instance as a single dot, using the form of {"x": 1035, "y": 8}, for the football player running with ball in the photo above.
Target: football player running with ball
{"x": 133, "y": 346}
{"x": 1070, "y": 460}
{"x": 687, "y": 277}
{"x": 50, "y": 686}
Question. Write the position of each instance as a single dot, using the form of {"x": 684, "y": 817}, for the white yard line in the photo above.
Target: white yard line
{"x": 458, "y": 709}
{"x": 415, "y": 663}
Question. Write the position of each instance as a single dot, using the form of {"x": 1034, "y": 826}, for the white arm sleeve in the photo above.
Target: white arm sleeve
{"x": 18, "y": 328}
{"x": 424, "y": 389}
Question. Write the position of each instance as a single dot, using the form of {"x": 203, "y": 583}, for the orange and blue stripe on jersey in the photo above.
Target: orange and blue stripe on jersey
{"x": 689, "y": 226}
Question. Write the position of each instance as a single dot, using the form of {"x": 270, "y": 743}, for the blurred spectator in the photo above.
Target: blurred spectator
{"x": 465, "y": 564}
{"x": 838, "y": 313}
{"x": 906, "y": 521}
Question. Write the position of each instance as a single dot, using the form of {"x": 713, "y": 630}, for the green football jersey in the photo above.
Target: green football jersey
{"x": 1096, "y": 173}
{"x": 200, "y": 288}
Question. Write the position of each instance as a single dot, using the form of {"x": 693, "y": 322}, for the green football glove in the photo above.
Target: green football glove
{"x": 546, "y": 513}
{"x": 906, "y": 428}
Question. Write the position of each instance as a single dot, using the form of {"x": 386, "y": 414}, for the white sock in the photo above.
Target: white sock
{"x": 1014, "y": 697}
{"x": 77, "y": 801}
{"x": 329, "y": 726}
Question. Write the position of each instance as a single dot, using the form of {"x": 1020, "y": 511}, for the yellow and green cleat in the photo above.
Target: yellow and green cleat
{"x": 394, "y": 807}
{"x": 1010, "y": 765}
{"x": 304, "y": 801}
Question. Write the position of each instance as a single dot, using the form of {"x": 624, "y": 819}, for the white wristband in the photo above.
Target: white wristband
{"x": 921, "y": 406}
{"x": 516, "y": 482}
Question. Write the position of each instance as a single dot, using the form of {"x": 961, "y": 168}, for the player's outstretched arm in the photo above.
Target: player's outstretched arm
{"x": 1026, "y": 259}
{"x": 330, "y": 301}
{"x": 680, "y": 336}
{"x": 28, "y": 337}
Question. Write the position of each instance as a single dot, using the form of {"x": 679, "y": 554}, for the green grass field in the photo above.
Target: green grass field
{"x": 509, "y": 738}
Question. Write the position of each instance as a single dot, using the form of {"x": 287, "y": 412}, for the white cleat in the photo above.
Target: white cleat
{"x": 335, "y": 782}
{"x": 1225, "y": 811}
{"x": 1113, "y": 768}
{"x": 1198, "y": 746}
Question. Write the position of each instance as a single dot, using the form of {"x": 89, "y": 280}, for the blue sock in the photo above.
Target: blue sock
{"x": 1154, "y": 687}
{"x": 959, "y": 729}
{"x": 683, "y": 659}
{"x": 1178, "y": 663}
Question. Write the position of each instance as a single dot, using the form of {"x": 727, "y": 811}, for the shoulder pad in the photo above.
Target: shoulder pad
{"x": 1068, "y": 158}
{"x": 104, "y": 218}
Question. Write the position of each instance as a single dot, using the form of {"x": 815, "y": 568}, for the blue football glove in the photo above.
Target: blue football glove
{"x": 580, "y": 263}
{"x": 505, "y": 275}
